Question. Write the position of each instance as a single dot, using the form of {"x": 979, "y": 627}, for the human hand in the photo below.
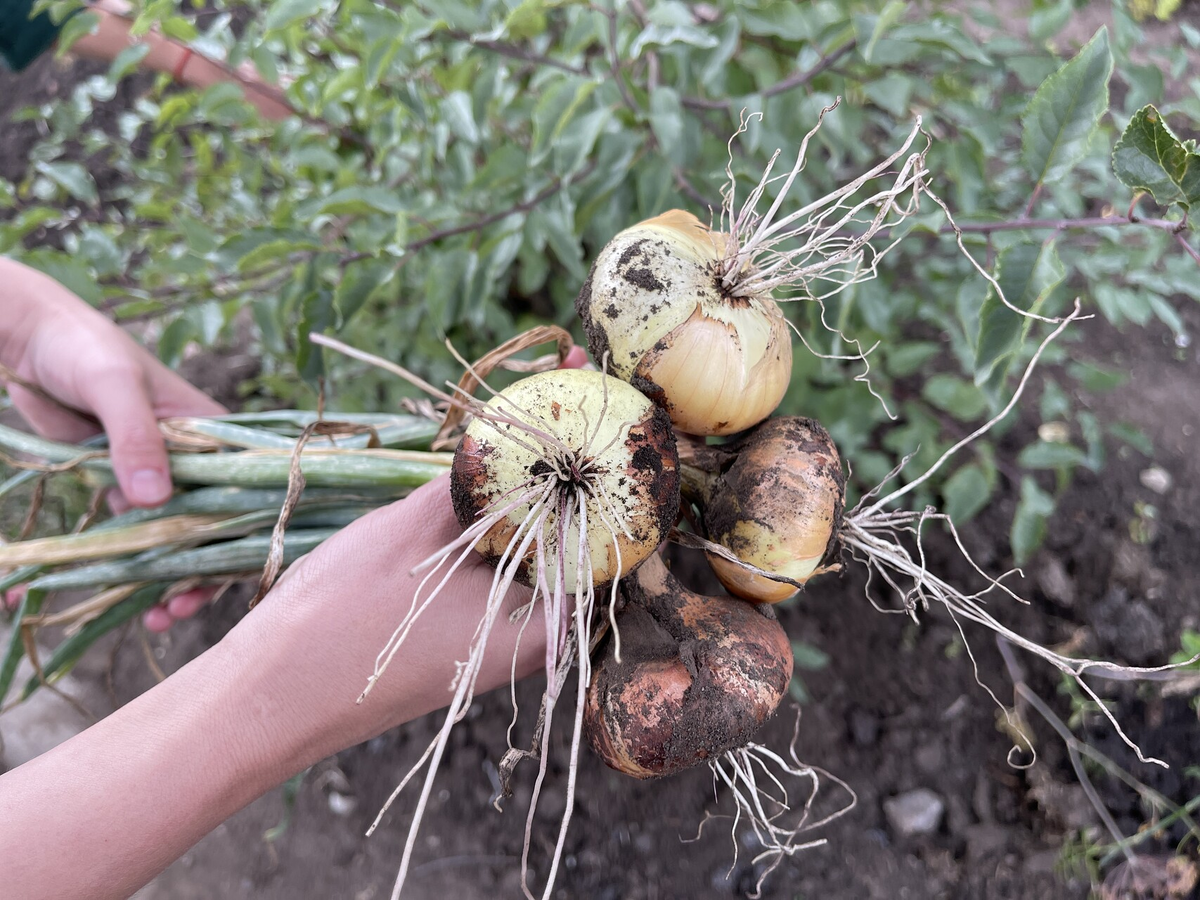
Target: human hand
{"x": 55, "y": 342}
{"x": 318, "y": 631}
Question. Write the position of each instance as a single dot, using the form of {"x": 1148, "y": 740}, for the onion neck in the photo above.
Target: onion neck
{"x": 700, "y": 467}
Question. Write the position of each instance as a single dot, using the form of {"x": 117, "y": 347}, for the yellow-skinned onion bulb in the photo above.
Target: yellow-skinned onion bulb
{"x": 654, "y": 302}
{"x": 778, "y": 507}
{"x": 584, "y": 449}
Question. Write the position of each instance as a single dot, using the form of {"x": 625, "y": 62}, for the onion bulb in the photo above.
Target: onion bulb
{"x": 654, "y": 302}
{"x": 578, "y": 450}
{"x": 778, "y": 507}
{"x": 696, "y": 677}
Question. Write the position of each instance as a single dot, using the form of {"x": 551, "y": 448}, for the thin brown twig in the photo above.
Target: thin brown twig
{"x": 799, "y": 79}
{"x": 35, "y": 507}
{"x": 1191, "y": 251}
{"x": 689, "y": 189}
{"x": 484, "y": 221}
{"x": 1033, "y": 198}
{"x": 1081, "y": 224}
{"x": 615, "y": 63}
{"x": 513, "y": 51}
{"x": 92, "y": 512}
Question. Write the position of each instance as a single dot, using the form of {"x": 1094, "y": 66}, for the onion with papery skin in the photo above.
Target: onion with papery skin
{"x": 697, "y": 677}
{"x": 778, "y": 507}
{"x": 654, "y": 303}
{"x": 581, "y": 434}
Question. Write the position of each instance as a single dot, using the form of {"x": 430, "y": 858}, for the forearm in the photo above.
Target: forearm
{"x": 164, "y": 55}
{"x": 103, "y": 813}
{"x": 112, "y": 35}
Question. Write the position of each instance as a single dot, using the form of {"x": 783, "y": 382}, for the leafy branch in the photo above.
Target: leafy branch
{"x": 799, "y": 79}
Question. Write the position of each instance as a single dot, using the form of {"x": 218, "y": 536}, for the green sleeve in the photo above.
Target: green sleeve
{"x": 22, "y": 39}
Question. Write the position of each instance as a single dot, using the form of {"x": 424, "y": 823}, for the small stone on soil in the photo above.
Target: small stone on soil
{"x": 1055, "y": 583}
{"x": 1156, "y": 478}
{"x": 914, "y": 812}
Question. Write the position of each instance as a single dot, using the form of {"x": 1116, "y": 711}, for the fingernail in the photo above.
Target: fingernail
{"x": 149, "y": 487}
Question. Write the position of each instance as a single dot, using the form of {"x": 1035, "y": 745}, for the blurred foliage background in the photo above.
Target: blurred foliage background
{"x": 454, "y": 167}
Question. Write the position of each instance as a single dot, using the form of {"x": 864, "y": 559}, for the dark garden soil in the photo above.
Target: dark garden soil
{"x": 897, "y": 707}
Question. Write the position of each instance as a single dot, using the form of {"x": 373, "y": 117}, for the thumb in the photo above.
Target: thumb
{"x": 120, "y": 400}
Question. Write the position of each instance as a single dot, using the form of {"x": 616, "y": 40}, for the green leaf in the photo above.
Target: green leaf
{"x": 1055, "y": 404}
{"x": 1048, "y": 21}
{"x": 1029, "y": 523}
{"x": 808, "y": 656}
{"x": 258, "y": 245}
{"x": 1149, "y": 157}
{"x": 73, "y": 178}
{"x": 31, "y": 605}
{"x": 71, "y": 273}
{"x": 1059, "y": 120}
{"x": 73, "y": 29}
{"x": 554, "y": 110}
{"x": 359, "y": 284}
{"x": 572, "y": 149}
{"x": 906, "y": 358}
{"x": 1132, "y": 436}
{"x": 952, "y": 394}
{"x": 282, "y": 13}
{"x": 665, "y": 35}
{"x": 965, "y": 493}
{"x": 178, "y": 28}
{"x": 527, "y": 20}
{"x": 456, "y": 109}
{"x": 99, "y": 249}
{"x": 358, "y": 200}
{"x": 891, "y": 13}
{"x": 666, "y": 120}
{"x": 127, "y": 61}
{"x": 136, "y": 308}
{"x": 797, "y": 689}
{"x": 1027, "y": 273}
{"x": 174, "y": 340}
{"x": 1097, "y": 378}
{"x": 1051, "y": 455}
{"x": 316, "y": 315}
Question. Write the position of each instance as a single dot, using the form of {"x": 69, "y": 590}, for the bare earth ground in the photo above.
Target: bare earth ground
{"x": 897, "y": 708}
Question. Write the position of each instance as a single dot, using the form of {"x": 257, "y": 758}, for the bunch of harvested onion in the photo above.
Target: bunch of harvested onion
{"x": 569, "y": 481}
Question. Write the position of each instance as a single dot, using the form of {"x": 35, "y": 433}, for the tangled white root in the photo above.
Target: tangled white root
{"x": 780, "y": 818}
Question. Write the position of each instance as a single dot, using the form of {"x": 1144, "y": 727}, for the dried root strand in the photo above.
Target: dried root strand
{"x": 838, "y": 240}
{"x": 781, "y": 818}
{"x": 881, "y": 539}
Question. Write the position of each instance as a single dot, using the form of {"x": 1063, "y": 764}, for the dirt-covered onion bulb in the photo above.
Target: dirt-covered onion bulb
{"x": 777, "y": 507}
{"x": 654, "y": 302}
{"x": 697, "y": 676}
{"x": 576, "y": 447}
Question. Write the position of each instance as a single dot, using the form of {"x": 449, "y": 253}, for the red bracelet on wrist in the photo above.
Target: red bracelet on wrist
{"x": 177, "y": 72}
